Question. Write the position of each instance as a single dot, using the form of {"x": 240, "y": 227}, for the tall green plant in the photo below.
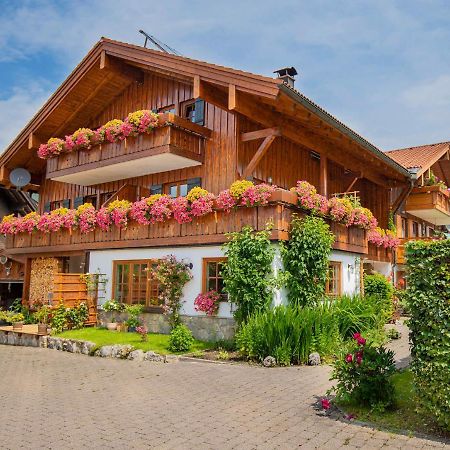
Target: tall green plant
{"x": 378, "y": 286}
{"x": 428, "y": 267}
{"x": 172, "y": 275}
{"x": 247, "y": 271}
{"x": 305, "y": 259}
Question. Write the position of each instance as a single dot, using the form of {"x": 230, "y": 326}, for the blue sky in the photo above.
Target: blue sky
{"x": 380, "y": 66}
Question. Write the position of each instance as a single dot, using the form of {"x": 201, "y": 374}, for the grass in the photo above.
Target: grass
{"x": 156, "y": 342}
{"x": 404, "y": 417}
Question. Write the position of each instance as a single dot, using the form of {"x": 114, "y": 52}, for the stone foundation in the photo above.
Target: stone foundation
{"x": 17, "y": 338}
{"x": 203, "y": 328}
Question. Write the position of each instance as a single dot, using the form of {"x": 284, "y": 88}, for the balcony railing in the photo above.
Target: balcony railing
{"x": 210, "y": 229}
{"x": 178, "y": 144}
{"x": 430, "y": 203}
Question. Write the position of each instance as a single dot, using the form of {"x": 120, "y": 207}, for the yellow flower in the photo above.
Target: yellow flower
{"x": 87, "y": 131}
{"x": 195, "y": 193}
{"x": 84, "y": 207}
{"x": 152, "y": 199}
{"x": 239, "y": 187}
{"x": 119, "y": 204}
{"x": 113, "y": 123}
{"x": 8, "y": 218}
{"x": 59, "y": 212}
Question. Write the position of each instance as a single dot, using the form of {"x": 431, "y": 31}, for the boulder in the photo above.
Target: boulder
{"x": 136, "y": 355}
{"x": 314, "y": 359}
{"x": 269, "y": 361}
{"x": 154, "y": 357}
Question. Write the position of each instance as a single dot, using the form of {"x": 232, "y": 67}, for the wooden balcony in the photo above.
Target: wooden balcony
{"x": 400, "y": 251}
{"x": 178, "y": 144}
{"x": 431, "y": 203}
{"x": 209, "y": 229}
{"x": 381, "y": 254}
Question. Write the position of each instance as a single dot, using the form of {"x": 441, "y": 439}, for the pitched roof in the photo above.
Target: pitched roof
{"x": 421, "y": 157}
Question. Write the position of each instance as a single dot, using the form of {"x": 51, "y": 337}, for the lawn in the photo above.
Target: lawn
{"x": 156, "y": 342}
{"x": 404, "y": 417}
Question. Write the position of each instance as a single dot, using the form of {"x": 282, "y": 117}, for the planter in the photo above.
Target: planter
{"x": 42, "y": 328}
{"x": 111, "y": 326}
{"x": 131, "y": 329}
{"x": 122, "y": 327}
{"x": 17, "y": 325}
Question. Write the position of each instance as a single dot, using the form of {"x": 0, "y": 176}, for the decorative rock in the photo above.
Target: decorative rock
{"x": 154, "y": 357}
{"x": 3, "y": 338}
{"x": 86, "y": 347}
{"x": 105, "y": 351}
{"x": 269, "y": 361}
{"x": 136, "y": 355}
{"x": 314, "y": 359}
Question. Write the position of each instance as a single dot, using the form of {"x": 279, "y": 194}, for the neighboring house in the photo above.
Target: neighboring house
{"x": 225, "y": 124}
{"x": 424, "y": 212}
{"x": 11, "y": 266}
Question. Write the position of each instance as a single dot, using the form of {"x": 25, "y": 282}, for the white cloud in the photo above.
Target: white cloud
{"x": 18, "y": 109}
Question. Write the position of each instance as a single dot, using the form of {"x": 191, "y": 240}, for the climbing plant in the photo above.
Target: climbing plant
{"x": 305, "y": 258}
{"x": 247, "y": 271}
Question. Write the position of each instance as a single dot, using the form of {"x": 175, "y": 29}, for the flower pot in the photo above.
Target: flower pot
{"x": 131, "y": 329}
{"x": 42, "y": 328}
{"x": 111, "y": 326}
{"x": 17, "y": 325}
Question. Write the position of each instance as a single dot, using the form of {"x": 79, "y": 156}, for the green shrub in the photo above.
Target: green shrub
{"x": 134, "y": 311}
{"x": 364, "y": 375}
{"x": 180, "y": 339}
{"x": 378, "y": 286}
{"x": 305, "y": 258}
{"x": 247, "y": 272}
{"x": 428, "y": 292}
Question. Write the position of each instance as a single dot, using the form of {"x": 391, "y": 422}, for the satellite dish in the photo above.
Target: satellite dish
{"x": 3, "y": 259}
{"x": 20, "y": 177}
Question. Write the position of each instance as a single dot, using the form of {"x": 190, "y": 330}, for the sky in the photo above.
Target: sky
{"x": 380, "y": 66}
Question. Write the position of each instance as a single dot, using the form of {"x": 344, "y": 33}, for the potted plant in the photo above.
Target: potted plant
{"x": 16, "y": 319}
{"x": 134, "y": 311}
{"x": 113, "y": 307}
{"x": 42, "y": 316}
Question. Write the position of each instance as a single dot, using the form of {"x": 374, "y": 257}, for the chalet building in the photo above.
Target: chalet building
{"x": 220, "y": 125}
{"x": 424, "y": 212}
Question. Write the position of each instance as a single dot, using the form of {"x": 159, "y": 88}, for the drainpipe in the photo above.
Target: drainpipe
{"x": 412, "y": 181}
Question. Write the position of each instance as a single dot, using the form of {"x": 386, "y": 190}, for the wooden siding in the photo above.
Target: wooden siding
{"x": 218, "y": 170}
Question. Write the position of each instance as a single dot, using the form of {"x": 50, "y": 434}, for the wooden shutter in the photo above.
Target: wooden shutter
{"x": 199, "y": 115}
{"x": 194, "y": 182}
{"x": 156, "y": 189}
{"x": 47, "y": 207}
{"x": 66, "y": 203}
{"x": 78, "y": 201}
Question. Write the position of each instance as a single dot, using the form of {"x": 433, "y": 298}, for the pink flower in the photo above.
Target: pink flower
{"x": 226, "y": 201}
{"x": 349, "y": 358}
{"x": 356, "y": 336}
{"x": 326, "y": 404}
{"x": 207, "y": 303}
{"x": 181, "y": 211}
{"x": 257, "y": 195}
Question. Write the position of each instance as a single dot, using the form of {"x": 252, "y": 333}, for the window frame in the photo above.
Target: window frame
{"x": 205, "y": 276}
{"x": 148, "y": 307}
{"x": 332, "y": 264}
{"x": 56, "y": 204}
{"x": 178, "y": 184}
{"x": 183, "y": 107}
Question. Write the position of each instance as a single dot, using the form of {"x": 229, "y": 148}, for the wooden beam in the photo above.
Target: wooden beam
{"x": 401, "y": 198}
{"x": 104, "y": 60}
{"x": 260, "y": 134}
{"x": 33, "y": 142}
{"x": 323, "y": 188}
{"x": 352, "y": 183}
{"x": 258, "y": 155}
{"x": 240, "y": 102}
{"x": 4, "y": 175}
{"x": 209, "y": 93}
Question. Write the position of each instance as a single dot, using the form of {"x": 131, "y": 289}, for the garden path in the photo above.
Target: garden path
{"x": 56, "y": 400}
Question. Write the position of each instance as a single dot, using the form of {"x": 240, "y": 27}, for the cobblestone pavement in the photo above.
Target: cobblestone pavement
{"x": 58, "y": 400}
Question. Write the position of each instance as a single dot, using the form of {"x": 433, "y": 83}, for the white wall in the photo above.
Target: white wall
{"x": 102, "y": 261}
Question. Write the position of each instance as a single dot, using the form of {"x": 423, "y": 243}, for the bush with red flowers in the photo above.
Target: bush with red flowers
{"x": 364, "y": 375}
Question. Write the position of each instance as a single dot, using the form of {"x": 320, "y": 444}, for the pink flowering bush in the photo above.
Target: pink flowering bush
{"x": 143, "y": 332}
{"x": 340, "y": 209}
{"x": 207, "y": 303}
{"x": 81, "y": 139}
{"x": 156, "y": 208}
{"x": 309, "y": 199}
{"x": 53, "y": 221}
{"x": 8, "y": 224}
{"x": 363, "y": 218}
{"x": 119, "y": 211}
{"x": 257, "y": 195}
{"x": 52, "y": 148}
{"x": 226, "y": 201}
{"x": 86, "y": 217}
{"x": 28, "y": 223}
{"x": 383, "y": 238}
{"x": 181, "y": 210}
{"x": 364, "y": 375}
{"x": 201, "y": 201}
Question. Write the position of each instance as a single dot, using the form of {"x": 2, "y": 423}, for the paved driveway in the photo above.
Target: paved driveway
{"x": 57, "y": 400}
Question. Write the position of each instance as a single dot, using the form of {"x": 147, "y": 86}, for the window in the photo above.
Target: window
{"x": 333, "y": 285}
{"x": 167, "y": 109}
{"x": 194, "y": 110}
{"x": 133, "y": 283}
{"x": 177, "y": 189}
{"x": 188, "y": 110}
{"x": 404, "y": 228}
{"x": 59, "y": 204}
{"x": 415, "y": 229}
{"x": 105, "y": 197}
{"x": 91, "y": 199}
{"x": 212, "y": 277}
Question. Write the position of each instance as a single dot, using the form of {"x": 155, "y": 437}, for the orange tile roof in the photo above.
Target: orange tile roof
{"x": 422, "y": 157}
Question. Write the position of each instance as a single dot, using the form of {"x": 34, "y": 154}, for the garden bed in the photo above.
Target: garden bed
{"x": 158, "y": 343}
{"x": 404, "y": 416}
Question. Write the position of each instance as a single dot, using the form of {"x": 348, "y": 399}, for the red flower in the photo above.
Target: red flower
{"x": 325, "y": 403}
{"x": 359, "y": 356}
{"x": 357, "y": 336}
{"x": 349, "y": 358}
{"x": 361, "y": 341}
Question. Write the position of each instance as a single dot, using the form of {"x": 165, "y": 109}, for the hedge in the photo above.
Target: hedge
{"x": 429, "y": 299}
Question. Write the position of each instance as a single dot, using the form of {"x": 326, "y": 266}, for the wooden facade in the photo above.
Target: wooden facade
{"x": 252, "y": 127}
